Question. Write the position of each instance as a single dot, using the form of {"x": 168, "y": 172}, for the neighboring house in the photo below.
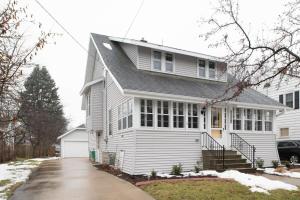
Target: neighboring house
{"x": 287, "y": 93}
{"x": 146, "y": 108}
{"x": 74, "y": 143}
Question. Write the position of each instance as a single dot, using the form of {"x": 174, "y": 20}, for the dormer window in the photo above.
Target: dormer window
{"x": 169, "y": 62}
{"x": 212, "y": 70}
{"x": 157, "y": 60}
{"x": 201, "y": 68}
{"x": 162, "y": 61}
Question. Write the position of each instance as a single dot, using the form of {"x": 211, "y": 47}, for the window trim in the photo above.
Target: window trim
{"x": 215, "y": 70}
{"x": 192, "y": 115}
{"x": 162, "y": 114}
{"x": 293, "y": 103}
{"x": 205, "y": 68}
{"x": 178, "y": 115}
{"x": 163, "y": 61}
{"x": 248, "y": 119}
{"x": 284, "y": 136}
{"x": 271, "y": 120}
{"x": 240, "y": 118}
{"x": 121, "y": 115}
{"x": 146, "y": 113}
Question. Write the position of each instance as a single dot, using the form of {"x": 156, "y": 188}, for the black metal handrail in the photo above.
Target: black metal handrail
{"x": 217, "y": 149}
{"x": 243, "y": 147}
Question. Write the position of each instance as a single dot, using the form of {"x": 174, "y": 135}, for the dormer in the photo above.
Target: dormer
{"x": 163, "y": 59}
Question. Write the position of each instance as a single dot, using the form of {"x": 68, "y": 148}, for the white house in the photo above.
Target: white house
{"x": 74, "y": 143}
{"x": 287, "y": 93}
{"x": 146, "y": 109}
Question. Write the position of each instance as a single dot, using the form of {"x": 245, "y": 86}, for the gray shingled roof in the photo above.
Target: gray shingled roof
{"x": 131, "y": 78}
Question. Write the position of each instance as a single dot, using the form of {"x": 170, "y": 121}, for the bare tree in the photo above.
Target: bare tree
{"x": 255, "y": 59}
{"x": 16, "y": 54}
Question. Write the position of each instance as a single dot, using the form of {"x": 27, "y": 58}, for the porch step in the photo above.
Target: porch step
{"x": 212, "y": 152}
{"x": 232, "y": 160}
{"x": 233, "y": 165}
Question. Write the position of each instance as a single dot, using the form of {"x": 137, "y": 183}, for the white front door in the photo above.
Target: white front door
{"x": 217, "y": 124}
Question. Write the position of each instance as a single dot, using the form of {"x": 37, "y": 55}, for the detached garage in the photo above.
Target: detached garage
{"x": 74, "y": 143}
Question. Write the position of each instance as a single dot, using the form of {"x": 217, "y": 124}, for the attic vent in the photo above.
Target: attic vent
{"x": 143, "y": 40}
{"x": 107, "y": 45}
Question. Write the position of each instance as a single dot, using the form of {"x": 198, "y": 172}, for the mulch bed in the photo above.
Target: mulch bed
{"x": 140, "y": 180}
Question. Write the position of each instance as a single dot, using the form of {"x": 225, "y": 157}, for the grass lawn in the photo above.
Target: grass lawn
{"x": 213, "y": 190}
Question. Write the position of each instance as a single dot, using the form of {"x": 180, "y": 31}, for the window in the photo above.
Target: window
{"x": 124, "y": 115}
{"x": 216, "y": 117}
{"x": 88, "y": 100}
{"x": 192, "y": 116}
{"x": 237, "y": 122}
{"x": 284, "y": 132}
{"x": 129, "y": 113}
{"x": 201, "y": 68}
{"x": 203, "y": 113}
{"x": 268, "y": 120}
{"x": 212, "y": 70}
{"x": 169, "y": 62}
{"x": 281, "y": 98}
{"x": 162, "y": 61}
{"x": 163, "y": 114}
{"x": 225, "y": 119}
{"x": 258, "y": 120}
{"x": 110, "y": 130}
{"x": 146, "y": 113}
{"x": 157, "y": 60}
{"x": 178, "y": 115}
{"x": 119, "y": 117}
{"x": 247, "y": 119}
{"x": 289, "y": 100}
{"x": 297, "y": 100}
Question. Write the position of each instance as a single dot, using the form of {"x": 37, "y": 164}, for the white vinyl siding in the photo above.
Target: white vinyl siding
{"x": 131, "y": 51}
{"x": 265, "y": 144}
{"x": 183, "y": 65}
{"x": 159, "y": 150}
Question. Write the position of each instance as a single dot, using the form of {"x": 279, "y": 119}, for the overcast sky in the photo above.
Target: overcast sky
{"x": 173, "y": 23}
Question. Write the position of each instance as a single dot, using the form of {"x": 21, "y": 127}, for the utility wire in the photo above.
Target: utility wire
{"x": 141, "y": 5}
{"x": 61, "y": 26}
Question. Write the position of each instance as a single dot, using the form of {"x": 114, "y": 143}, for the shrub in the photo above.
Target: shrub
{"x": 280, "y": 170}
{"x": 176, "y": 169}
{"x": 286, "y": 163}
{"x": 197, "y": 169}
{"x": 260, "y": 162}
{"x": 275, "y": 163}
{"x": 153, "y": 174}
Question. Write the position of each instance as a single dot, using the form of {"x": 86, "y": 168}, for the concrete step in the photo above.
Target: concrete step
{"x": 214, "y": 152}
{"x": 233, "y": 165}
{"x": 230, "y": 161}
{"x": 211, "y": 157}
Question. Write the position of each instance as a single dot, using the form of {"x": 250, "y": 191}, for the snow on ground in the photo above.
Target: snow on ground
{"x": 17, "y": 172}
{"x": 256, "y": 183}
{"x": 287, "y": 173}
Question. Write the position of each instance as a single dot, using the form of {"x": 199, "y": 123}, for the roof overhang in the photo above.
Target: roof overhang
{"x": 162, "y": 96}
{"x": 67, "y": 133}
{"x": 89, "y": 84}
{"x": 166, "y": 48}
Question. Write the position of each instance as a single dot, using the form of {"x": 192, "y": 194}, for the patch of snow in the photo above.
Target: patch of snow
{"x": 108, "y": 46}
{"x": 287, "y": 173}
{"x": 18, "y": 171}
{"x": 256, "y": 183}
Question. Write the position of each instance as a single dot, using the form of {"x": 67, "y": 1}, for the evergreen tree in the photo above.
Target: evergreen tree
{"x": 41, "y": 111}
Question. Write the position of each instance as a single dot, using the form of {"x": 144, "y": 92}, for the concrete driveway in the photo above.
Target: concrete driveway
{"x": 76, "y": 178}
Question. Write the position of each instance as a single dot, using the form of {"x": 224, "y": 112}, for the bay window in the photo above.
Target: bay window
{"x": 248, "y": 119}
{"x": 258, "y": 120}
{"x": 237, "y": 119}
{"x": 146, "y": 113}
{"x": 178, "y": 115}
{"x": 268, "y": 120}
{"x": 163, "y": 114}
{"x": 193, "y": 116}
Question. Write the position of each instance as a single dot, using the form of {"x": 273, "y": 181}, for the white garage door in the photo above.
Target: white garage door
{"x": 75, "y": 149}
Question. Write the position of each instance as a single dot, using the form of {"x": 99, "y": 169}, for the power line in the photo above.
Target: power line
{"x": 61, "y": 26}
{"x": 134, "y": 19}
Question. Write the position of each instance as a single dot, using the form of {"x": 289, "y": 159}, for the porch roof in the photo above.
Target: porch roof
{"x": 130, "y": 78}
